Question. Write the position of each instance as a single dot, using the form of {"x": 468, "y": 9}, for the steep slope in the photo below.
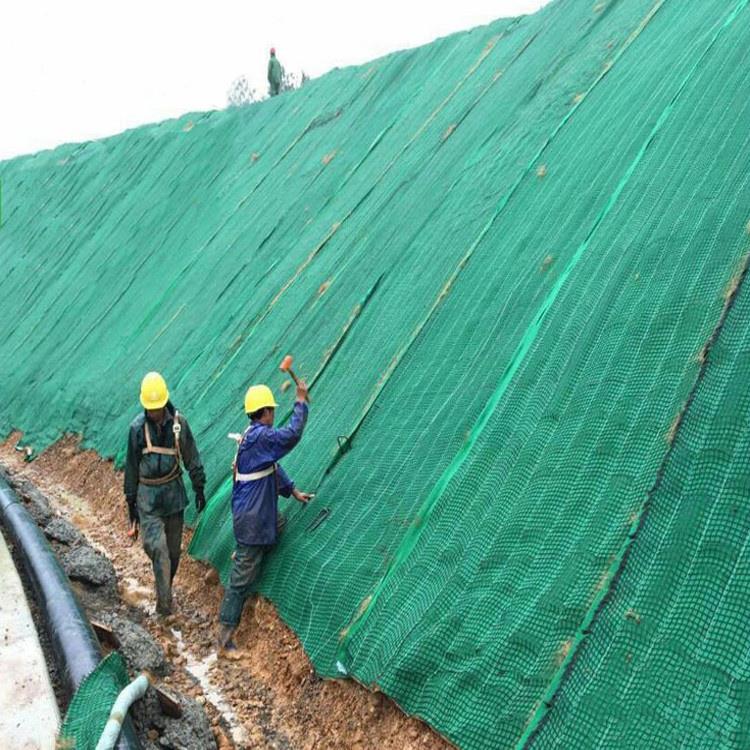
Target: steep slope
{"x": 503, "y": 261}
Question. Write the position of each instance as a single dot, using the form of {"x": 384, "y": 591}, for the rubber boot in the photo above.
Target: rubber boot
{"x": 225, "y": 645}
{"x": 164, "y": 605}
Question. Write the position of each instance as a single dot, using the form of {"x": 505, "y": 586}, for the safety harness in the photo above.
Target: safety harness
{"x": 253, "y": 476}
{"x": 150, "y": 448}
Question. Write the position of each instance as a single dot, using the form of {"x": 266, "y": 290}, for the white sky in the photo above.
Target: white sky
{"x": 73, "y": 70}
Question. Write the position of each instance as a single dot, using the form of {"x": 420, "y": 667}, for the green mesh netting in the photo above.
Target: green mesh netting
{"x": 667, "y": 660}
{"x": 88, "y": 712}
{"x": 499, "y": 258}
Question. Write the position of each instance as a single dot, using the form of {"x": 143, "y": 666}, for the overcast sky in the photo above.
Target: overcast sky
{"x": 73, "y": 70}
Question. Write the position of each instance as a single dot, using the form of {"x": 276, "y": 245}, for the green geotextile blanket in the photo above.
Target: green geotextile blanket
{"x": 92, "y": 703}
{"x": 512, "y": 263}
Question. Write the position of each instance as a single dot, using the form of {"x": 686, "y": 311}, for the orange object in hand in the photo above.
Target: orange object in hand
{"x": 286, "y": 366}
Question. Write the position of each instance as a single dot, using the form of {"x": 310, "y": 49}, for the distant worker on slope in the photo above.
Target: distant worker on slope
{"x": 159, "y": 443}
{"x": 275, "y": 73}
{"x": 258, "y": 482}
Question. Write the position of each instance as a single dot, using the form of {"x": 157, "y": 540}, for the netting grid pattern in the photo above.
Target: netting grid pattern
{"x": 499, "y": 258}
{"x": 89, "y": 710}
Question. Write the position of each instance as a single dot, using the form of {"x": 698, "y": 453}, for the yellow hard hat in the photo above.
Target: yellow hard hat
{"x": 259, "y": 397}
{"x": 154, "y": 393}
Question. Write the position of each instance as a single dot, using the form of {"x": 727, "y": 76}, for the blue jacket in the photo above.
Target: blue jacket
{"x": 255, "y": 504}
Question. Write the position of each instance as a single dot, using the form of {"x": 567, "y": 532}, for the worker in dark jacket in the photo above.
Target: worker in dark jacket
{"x": 159, "y": 444}
{"x": 258, "y": 482}
{"x": 275, "y": 73}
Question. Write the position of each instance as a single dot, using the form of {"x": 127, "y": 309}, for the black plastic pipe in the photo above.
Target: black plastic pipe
{"x": 74, "y": 645}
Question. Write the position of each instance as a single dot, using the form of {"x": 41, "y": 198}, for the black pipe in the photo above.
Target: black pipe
{"x": 75, "y": 647}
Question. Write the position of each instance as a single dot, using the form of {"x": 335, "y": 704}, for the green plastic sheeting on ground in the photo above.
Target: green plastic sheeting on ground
{"x": 89, "y": 710}
{"x": 511, "y": 264}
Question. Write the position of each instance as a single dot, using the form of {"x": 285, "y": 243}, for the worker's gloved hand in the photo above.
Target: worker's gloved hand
{"x": 133, "y": 517}
{"x": 303, "y": 497}
{"x": 132, "y": 509}
{"x": 200, "y": 500}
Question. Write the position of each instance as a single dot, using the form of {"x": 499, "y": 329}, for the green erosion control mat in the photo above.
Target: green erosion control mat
{"x": 91, "y": 705}
{"x": 511, "y": 262}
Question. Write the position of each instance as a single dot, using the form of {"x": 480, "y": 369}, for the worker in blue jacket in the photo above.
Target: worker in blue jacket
{"x": 258, "y": 482}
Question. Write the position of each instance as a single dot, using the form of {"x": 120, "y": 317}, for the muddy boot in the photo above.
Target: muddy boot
{"x": 225, "y": 646}
{"x": 164, "y": 605}
{"x": 168, "y": 621}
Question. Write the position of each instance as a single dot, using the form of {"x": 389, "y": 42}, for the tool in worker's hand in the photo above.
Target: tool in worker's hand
{"x": 286, "y": 366}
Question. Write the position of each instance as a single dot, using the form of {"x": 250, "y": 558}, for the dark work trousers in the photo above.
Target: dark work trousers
{"x": 246, "y": 567}
{"x": 162, "y": 540}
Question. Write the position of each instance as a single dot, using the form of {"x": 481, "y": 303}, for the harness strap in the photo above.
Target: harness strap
{"x": 255, "y": 475}
{"x": 158, "y": 481}
{"x": 174, "y": 451}
{"x": 239, "y": 439}
{"x": 161, "y": 451}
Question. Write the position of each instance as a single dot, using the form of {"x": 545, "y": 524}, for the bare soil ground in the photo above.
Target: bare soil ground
{"x": 271, "y": 698}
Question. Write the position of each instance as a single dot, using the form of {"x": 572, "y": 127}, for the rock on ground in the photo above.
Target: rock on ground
{"x": 191, "y": 732}
{"x": 63, "y": 531}
{"x": 85, "y": 564}
{"x": 36, "y": 503}
{"x": 138, "y": 646}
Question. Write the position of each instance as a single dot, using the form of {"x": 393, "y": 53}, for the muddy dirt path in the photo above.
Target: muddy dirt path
{"x": 269, "y": 699}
